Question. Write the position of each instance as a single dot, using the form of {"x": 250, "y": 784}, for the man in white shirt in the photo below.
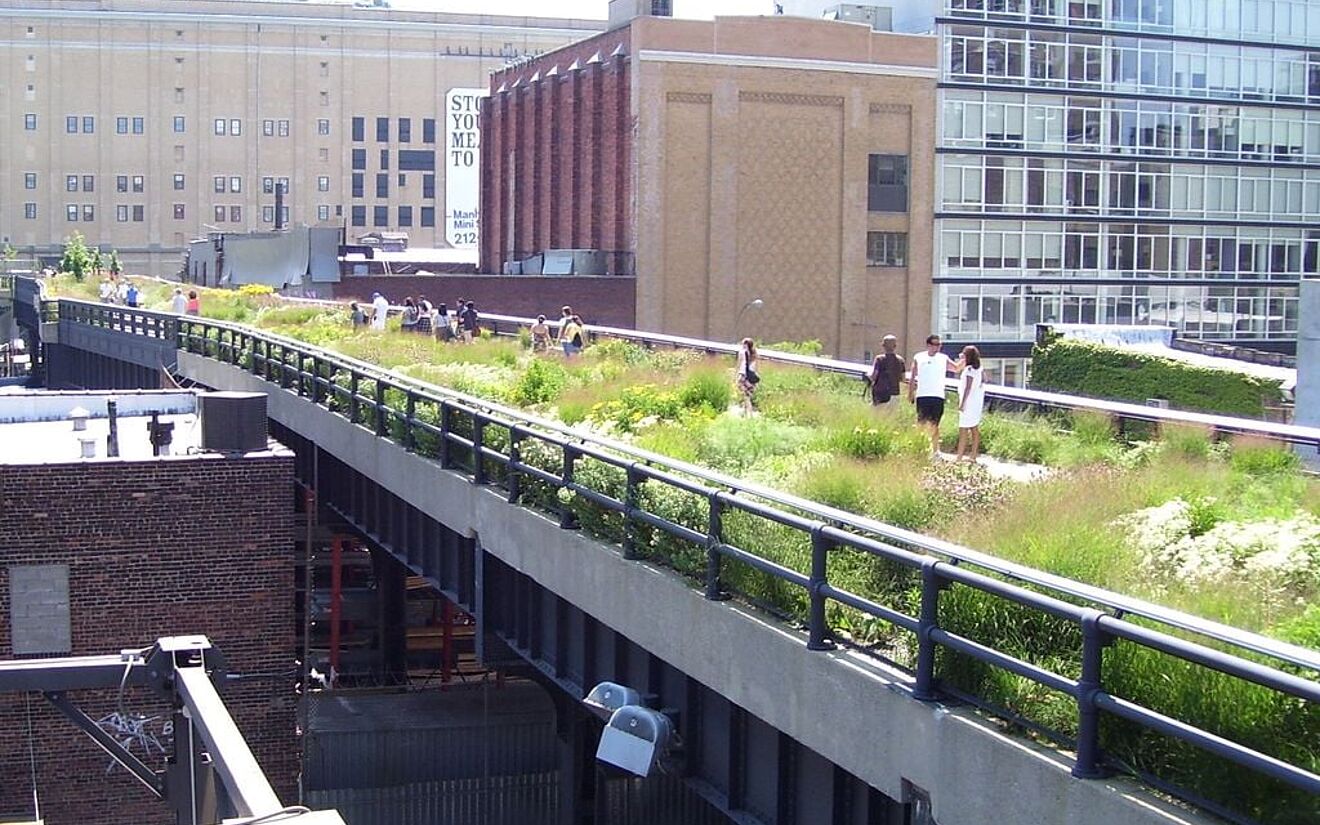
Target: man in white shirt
{"x": 380, "y": 308}
{"x": 178, "y": 304}
{"x": 926, "y": 388}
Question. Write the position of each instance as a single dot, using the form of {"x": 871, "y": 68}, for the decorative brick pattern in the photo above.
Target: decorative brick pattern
{"x": 159, "y": 548}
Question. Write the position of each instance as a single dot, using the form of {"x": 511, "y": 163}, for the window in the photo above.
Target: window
{"x": 89, "y": 211}
{"x": 235, "y": 214}
{"x": 220, "y": 126}
{"x": 416, "y": 160}
{"x": 323, "y": 183}
{"x": 382, "y": 185}
{"x": 403, "y": 180}
{"x": 268, "y": 128}
{"x": 31, "y": 63}
{"x": 138, "y": 126}
{"x": 359, "y": 158}
{"x": 380, "y": 216}
{"x": 218, "y": 183}
{"x": 178, "y": 153}
{"x": 886, "y": 249}
{"x": 323, "y": 126}
{"x": 428, "y": 130}
{"x": 139, "y": 212}
{"x": 235, "y": 184}
{"x": 887, "y": 184}
{"x": 70, "y": 183}
{"x": 428, "y": 186}
{"x": 178, "y": 183}
{"x": 220, "y": 214}
{"x": 325, "y": 69}
{"x": 359, "y": 216}
{"x": 179, "y": 211}
{"x": 138, "y": 183}
{"x": 284, "y": 128}
{"x": 323, "y": 213}
{"x": 30, "y": 211}
{"x": 382, "y": 130}
{"x": 359, "y": 127}
{"x": 121, "y": 126}
{"x": 357, "y": 184}
{"x": 71, "y": 124}
{"x": 267, "y": 186}
{"x": 284, "y": 184}
{"x": 268, "y": 214}
{"x": 30, "y": 122}
{"x": 428, "y": 216}
{"x": 89, "y": 183}
{"x": 235, "y": 127}
{"x": 121, "y": 183}
{"x": 179, "y": 124}
{"x": 30, "y": 93}
{"x": 323, "y": 154}
{"x": 405, "y": 130}
{"x": 88, "y": 124}
{"x": 121, "y": 213}
{"x": 405, "y": 216}
{"x": 31, "y": 32}
{"x": 384, "y": 158}
{"x": 29, "y": 180}
{"x": 178, "y": 94}
{"x": 325, "y": 98}
{"x": 71, "y": 212}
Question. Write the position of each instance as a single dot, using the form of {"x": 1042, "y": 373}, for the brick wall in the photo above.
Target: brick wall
{"x": 157, "y": 548}
{"x": 608, "y": 301}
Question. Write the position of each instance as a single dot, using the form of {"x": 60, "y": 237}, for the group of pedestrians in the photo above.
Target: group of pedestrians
{"x": 569, "y": 333}
{"x": 123, "y": 292}
{"x": 421, "y": 317}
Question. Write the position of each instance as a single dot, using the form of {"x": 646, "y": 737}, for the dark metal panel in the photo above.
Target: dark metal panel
{"x": 716, "y": 724}
{"x": 760, "y": 768}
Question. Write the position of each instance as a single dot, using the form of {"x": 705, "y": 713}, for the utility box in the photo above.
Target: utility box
{"x": 233, "y": 422}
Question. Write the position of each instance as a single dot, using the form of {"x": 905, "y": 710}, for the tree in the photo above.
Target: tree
{"x": 77, "y": 260}
{"x": 98, "y": 263}
{"x": 115, "y": 266}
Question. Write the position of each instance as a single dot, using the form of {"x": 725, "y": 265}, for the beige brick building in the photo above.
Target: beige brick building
{"x": 141, "y": 123}
{"x": 772, "y": 158}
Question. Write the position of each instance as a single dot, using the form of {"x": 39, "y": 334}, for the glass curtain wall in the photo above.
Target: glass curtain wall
{"x": 1127, "y": 162}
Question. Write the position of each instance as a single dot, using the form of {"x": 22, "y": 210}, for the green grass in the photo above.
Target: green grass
{"x": 816, "y": 436}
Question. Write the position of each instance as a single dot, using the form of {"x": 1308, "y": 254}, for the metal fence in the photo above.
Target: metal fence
{"x": 526, "y": 456}
{"x": 496, "y": 800}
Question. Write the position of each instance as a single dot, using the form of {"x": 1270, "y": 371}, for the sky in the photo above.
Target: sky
{"x": 585, "y": 9}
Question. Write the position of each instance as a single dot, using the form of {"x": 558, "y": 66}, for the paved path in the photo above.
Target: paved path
{"x": 1011, "y": 470}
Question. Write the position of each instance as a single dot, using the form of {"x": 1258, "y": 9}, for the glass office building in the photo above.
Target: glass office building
{"x": 1126, "y": 162}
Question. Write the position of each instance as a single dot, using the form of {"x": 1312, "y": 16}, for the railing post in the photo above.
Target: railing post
{"x": 567, "y": 520}
{"x": 284, "y": 366}
{"x": 715, "y": 537}
{"x": 478, "y": 448}
{"x": 318, "y": 391}
{"x": 1094, "y": 640}
{"x": 515, "y": 458}
{"x": 354, "y": 384}
{"x": 817, "y": 631}
{"x": 446, "y": 427}
{"x": 382, "y": 425}
{"x": 924, "y": 689}
{"x": 257, "y": 346}
{"x": 410, "y": 414}
{"x": 630, "y": 500}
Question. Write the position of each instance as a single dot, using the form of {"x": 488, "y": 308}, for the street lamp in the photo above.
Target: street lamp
{"x": 754, "y": 303}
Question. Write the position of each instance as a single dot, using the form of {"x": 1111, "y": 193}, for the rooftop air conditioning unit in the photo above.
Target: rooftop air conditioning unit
{"x": 233, "y": 422}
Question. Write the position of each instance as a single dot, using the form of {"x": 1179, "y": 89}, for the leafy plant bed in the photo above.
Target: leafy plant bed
{"x": 1225, "y": 530}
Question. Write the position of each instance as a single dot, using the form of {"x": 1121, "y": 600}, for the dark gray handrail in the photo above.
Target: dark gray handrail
{"x": 311, "y": 372}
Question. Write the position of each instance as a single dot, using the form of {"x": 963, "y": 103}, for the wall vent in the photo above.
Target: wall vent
{"x": 233, "y": 422}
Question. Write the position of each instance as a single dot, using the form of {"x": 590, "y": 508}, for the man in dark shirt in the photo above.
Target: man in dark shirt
{"x": 470, "y": 322}
{"x": 886, "y": 374}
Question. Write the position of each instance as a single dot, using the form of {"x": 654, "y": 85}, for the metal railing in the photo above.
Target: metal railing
{"x": 491, "y": 443}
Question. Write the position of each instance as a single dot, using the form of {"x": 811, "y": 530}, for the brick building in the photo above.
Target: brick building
{"x": 102, "y": 554}
{"x": 773, "y": 158}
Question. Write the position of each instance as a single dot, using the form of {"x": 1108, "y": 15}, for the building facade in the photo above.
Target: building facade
{"x": 144, "y": 123}
{"x": 772, "y": 159}
{"x": 1126, "y": 162}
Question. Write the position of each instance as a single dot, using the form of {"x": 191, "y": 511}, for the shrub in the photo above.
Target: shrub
{"x": 1187, "y": 440}
{"x": 1259, "y": 457}
{"x": 707, "y": 387}
{"x": 1019, "y": 438}
{"x": 812, "y": 347}
{"x": 1100, "y": 371}
{"x": 255, "y": 290}
{"x": 540, "y": 383}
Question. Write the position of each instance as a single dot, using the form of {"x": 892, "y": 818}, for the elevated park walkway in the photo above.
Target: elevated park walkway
{"x": 782, "y": 721}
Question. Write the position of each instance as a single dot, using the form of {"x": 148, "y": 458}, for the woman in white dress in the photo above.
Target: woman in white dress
{"x": 971, "y": 403}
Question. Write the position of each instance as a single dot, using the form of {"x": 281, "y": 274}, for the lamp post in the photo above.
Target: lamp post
{"x": 737, "y": 322}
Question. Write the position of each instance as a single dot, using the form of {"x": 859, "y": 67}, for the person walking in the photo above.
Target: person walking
{"x": 425, "y": 316}
{"x": 357, "y": 315}
{"x": 380, "y": 307}
{"x": 747, "y": 376}
{"x": 540, "y": 335}
{"x": 194, "y": 306}
{"x": 444, "y": 332}
{"x": 410, "y": 314}
{"x": 131, "y": 298}
{"x": 470, "y": 322}
{"x": 971, "y": 403}
{"x": 571, "y": 335}
{"x": 565, "y": 314}
{"x": 926, "y": 388}
{"x": 178, "y": 304}
{"x": 886, "y": 375}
